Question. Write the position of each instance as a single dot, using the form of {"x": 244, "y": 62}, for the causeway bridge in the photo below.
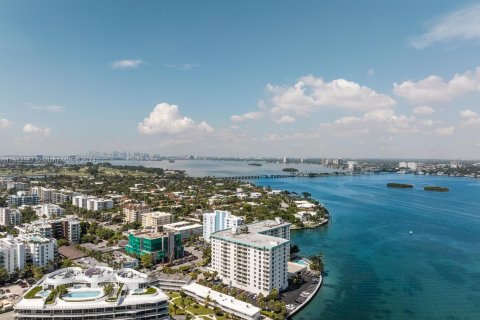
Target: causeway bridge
{"x": 276, "y": 176}
{"x": 263, "y": 176}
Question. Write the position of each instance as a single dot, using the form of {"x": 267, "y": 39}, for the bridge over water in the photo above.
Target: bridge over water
{"x": 276, "y": 176}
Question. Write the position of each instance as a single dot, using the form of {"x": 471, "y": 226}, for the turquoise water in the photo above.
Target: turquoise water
{"x": 43, "y": 293}
{"x": 219, "y": 168}
{"x": 300, "y": 261}
{"x": 83, "y": 294}
{"x": 376, "y": 269}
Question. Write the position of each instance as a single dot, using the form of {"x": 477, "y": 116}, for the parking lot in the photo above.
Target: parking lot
{"x": 294, "y": 298}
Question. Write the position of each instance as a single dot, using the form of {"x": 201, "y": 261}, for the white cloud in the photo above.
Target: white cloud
{"x": 183, "y": 66}
{"x": 460, "y": 25}
{"x": 434, "y": 88}
{"x": 447, "y": 131}
{"x": 468, "y": 113}
{"x": 31, "y": 129}
{"x": 247, "y": 116}
{"x": 166, "y": 118}
{"x": 381, "y": 121}
{"x": 471, "y": 118}
{"x": 49, "y": 108}
{"x": 310, "y": 93}
{"x": 4, "y": 123}
{"x": 286, "y": 119}
{"x": 126, "y": 64}
{"x": 428, "y": 122}
{"x": 423, "y": 110}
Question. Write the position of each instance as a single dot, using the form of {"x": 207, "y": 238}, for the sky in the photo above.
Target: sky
{"x": 351, "y": 79}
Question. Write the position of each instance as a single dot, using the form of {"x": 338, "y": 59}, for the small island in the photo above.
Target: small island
{"x": 255, "y": 164}
{"x": 436, "y": 188}
{"x": 400, "y": 185}
{"x": 290, "y": 170}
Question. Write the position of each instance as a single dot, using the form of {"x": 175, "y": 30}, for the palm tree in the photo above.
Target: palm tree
{"x": 207, "y": 301}
{"x": 316, "y": 263}
{"x": 175, "y": 308}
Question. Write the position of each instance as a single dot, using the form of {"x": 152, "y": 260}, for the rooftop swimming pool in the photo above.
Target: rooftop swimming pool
{"x": 43, "y": 293}
{"x": 83, "y": 294}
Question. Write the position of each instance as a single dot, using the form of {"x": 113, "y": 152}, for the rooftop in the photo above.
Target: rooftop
{"x": 253, "y": 235}
{"x": 150, "y": 235}
{"x": 224, "y": 300}
{"x": 97, "y": 277}
{"x": 262, "y": 226}
{"x": 71, "y": 252}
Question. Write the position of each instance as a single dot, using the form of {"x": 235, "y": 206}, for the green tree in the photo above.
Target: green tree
{"x": 62, "y": 242}
{"x": 108, "y": 289}
{"x": 175, "y": 308}
{"x": 306, "y": 195}
{"x": 207, "y": 301}
{"x": 37, "y": 273}
{"x": 317, "y": 263}
{"x": 66, "y": 263}
{"x": 3, "y": 275}
{"x": 146, "y": 260}
{"x": 28, "y": 215}
{"x": 294, "y": 249}
{"x": 62, "y": 290}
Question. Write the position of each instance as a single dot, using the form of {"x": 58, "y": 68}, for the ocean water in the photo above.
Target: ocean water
{"x": 376, "y": 269}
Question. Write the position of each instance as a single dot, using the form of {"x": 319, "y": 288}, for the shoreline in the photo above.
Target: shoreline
{"x": 320, "y": 224}
{"x": 310, "y": 297}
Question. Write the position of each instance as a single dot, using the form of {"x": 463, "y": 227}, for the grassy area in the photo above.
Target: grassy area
{"x": 191, "y": 307}
{"x": 32, "y": 294}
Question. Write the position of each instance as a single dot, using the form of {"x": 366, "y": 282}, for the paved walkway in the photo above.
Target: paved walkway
{"x": 6, "y": 315}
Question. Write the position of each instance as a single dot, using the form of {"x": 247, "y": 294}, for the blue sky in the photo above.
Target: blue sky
{"x": 250, "y": 78}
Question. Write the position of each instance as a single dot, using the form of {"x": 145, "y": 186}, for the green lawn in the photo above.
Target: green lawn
{"x": 200, "y": 311}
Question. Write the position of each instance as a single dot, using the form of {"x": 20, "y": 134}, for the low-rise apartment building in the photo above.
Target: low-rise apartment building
{"x": 186, "y": 229}
{"x": 22, "y": 198}
{"x": 156, "y": 219}
{"x": 10, "y": 217}
{"x": 133, "y": 212}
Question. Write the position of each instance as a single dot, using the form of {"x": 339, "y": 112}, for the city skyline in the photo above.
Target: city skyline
{"x": 353, "y": 80}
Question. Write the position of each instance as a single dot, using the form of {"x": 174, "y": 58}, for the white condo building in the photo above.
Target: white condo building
{"x": 80, "y": 201}
{"x": 97, "y": 204}
{"x": 219, "y": 220}
{"x": 352, "y": 165}
{"x": 86, "y": 298}
{"x": 253, "y": 257}
{"x": 10, "y": 217}
{"x": 22, "y": 198}
{"x": 185, "y": 228}
{"x": 12, "y": 254}
{"x": 74, "y": 230}
{"x": 49, "y": 210}
{"x": 40, "y": 249}
{"x": 92, "y": 203}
